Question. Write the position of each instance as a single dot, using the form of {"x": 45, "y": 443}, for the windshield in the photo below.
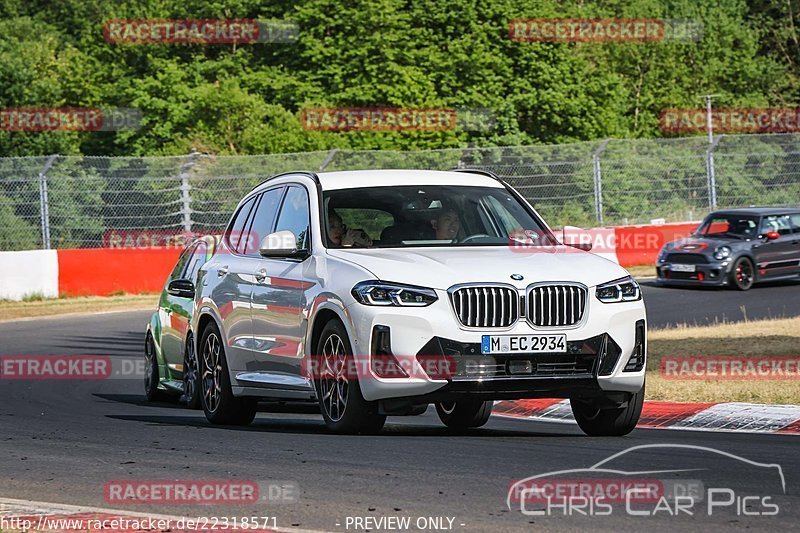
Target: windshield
{"x": 729, "y": 225}
{"x": 430, "y": 215}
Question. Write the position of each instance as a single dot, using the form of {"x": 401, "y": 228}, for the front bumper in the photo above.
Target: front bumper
{"x": 714, "y": 273}
{"x": 586, "y": 369}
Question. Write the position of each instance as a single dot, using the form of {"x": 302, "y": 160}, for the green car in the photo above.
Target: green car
{"x": 171, "y": 367}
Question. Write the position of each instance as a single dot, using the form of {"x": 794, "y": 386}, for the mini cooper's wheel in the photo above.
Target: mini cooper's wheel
{"x": 151, "y": 375}
{"x": 463, "y": 414}
{"x": 743, "y": 274}
{"x": 219, "y": 403}
{"x": 343, "y": 406}
{"x": 191, "y": 389}
{"x": 608, "y": 422}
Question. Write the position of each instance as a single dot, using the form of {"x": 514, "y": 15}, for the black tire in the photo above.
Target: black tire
{"x": 219, "y": 404}
{"x": 613, "y": 422}
{"x": 343, "y": 406}
{"x": 743, "y": 274}
{"x": 151, "y": 374}
{"x": 191, "y": 376}
{"x": 464, "y": 414}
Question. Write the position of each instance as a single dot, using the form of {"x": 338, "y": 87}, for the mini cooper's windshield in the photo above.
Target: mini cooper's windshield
{"x": 428, "y": 215}
{"x": 729, "y": 225}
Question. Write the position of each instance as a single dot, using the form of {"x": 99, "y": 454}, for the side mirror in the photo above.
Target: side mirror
{"x": 577, "y": 238}
{"x": 772, "y": 235}
{"x": 182, "y": 288}
{"x": 280, "y": 244}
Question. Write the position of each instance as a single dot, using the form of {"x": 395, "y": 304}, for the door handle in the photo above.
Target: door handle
{"x": 223, "y": 271}
{"x": 261, "y": 275}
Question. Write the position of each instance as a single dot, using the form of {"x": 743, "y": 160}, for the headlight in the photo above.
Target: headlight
{"x": 662, "y": 255}
{"x": 722, "y": 252}
{"x": 620, "y": 290}
{"x": 384, "y": 293}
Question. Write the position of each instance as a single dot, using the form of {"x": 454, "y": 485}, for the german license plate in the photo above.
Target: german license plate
{"x": 523, "y": 344}
{"x": 683, "y": 268}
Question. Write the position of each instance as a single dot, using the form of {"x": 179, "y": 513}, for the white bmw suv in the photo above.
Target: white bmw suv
{"x": 381, "y": 292}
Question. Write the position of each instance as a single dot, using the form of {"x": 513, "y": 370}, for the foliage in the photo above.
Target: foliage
{"x": 246, "y": 98}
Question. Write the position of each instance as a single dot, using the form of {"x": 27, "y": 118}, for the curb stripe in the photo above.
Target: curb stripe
{"x": 733, "y": 416}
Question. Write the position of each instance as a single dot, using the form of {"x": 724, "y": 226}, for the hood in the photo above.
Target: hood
{"x": 441, "y": 268}
{"x": 701, "y": 245}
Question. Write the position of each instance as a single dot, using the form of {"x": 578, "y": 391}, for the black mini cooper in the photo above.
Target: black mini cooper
{"x": 736, "y": 247}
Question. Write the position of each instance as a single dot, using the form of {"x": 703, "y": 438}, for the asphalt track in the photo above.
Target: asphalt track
{"x": 61, "y": 441}
{"x": 669, "y": 306}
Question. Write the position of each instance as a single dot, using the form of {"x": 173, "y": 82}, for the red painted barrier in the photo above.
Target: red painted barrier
{"x": 104, "y": 271}
{"x": 639, "y": 245}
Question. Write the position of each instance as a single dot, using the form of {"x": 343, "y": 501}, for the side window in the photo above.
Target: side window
{"x": 779, "y": 223}
{"x": 264, "y": 218}
{"x": 796, "y": 222}
{"x": 177, "y": 272}
{"x": 236, "y": 230}
{"x": 198, "y": 259}
{"x": 294, "y": 216}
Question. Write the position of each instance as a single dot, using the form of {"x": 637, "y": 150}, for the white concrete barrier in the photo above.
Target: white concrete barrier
{"x": 27, "y": 273}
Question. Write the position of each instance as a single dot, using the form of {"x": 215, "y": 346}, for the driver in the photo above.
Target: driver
{"x": 340, "y": 235}
{"x": 447, "y": 224}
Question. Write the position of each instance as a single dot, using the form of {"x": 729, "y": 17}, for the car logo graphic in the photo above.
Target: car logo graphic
{"x": 517, "y": 277}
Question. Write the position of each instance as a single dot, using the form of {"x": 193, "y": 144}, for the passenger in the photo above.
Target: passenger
{"x": 447, "y": 224}
{"x": 341, "y": 236}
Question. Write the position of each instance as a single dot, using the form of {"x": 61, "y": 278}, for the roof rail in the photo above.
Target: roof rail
{"x": 306, "y": 173}
{"x": 480, "y": 171}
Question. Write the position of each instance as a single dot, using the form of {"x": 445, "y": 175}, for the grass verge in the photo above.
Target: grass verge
{"x": 642, "y": 271}
{"x": 34, "y": 307}
{"x": 778, "y": 338}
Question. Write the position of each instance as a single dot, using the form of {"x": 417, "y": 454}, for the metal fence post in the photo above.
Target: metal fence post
{"x": 44, "y": 204}
{"x": 186, "y": 199}
{"x": 598, "y": 181}
{"x": 328, "y": 159}
{"x": 711, "y": 173}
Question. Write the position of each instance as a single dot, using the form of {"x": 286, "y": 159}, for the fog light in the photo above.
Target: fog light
{"x": 384, "y": 364}
{"x": 636, "y": 361}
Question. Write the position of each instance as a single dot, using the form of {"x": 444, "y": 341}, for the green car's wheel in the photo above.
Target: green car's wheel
{"x": 464, "y": 414}
{"x": 219, "y": 403}
{"x": 191, "y": 388}
{"x": 151, "y": 375}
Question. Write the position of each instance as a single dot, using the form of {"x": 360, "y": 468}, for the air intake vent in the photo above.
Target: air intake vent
{"x": 556, "y": 305}
{"x": 486, "y": 306}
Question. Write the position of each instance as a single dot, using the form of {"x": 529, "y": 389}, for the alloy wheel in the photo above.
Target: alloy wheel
{"x": 212, "y": 370}
{"x": 333, "y": 381}
{"x": 150, "y": 361}
{"x": 189, "y": 371}
{"x": 448, "y": 407}
{"x": 744, "y": 274}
